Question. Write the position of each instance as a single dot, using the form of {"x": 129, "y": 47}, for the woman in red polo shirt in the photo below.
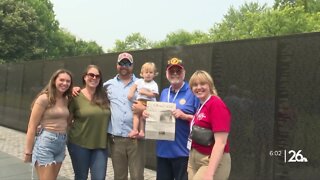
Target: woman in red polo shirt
{"x": 209, "y": 160}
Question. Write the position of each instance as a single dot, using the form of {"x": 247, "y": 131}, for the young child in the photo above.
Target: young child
{"x": 147, "y": 90}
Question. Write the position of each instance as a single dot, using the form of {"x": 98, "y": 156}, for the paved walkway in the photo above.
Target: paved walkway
{"x": 12, "y": 167}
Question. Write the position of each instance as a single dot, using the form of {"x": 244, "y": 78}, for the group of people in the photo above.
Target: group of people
{"x": 109, "y": 117}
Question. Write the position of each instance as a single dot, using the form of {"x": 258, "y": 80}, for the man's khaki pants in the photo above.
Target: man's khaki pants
{"x": 127, "y": 152}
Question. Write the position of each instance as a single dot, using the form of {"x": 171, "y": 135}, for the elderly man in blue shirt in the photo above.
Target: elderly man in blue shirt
{"x": 125, "y": 152}
{"x": 172, "y": 156}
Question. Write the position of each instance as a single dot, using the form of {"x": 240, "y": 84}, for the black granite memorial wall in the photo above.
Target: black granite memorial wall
{"x": 271, "y": 85}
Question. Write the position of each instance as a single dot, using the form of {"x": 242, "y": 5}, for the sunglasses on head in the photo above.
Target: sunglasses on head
{"x": 125, "y": 63}
{"x": 91, "y": 75}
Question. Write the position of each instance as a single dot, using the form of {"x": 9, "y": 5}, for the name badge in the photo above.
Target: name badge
{"x": 189, "y": 143}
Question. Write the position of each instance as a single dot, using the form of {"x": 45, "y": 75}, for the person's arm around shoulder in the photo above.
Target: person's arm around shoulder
{"x": 71, "y": 108}
{"x": 70, "y": 121}
{"x": 35, "y": 118}
{"x": 75, "y": 91}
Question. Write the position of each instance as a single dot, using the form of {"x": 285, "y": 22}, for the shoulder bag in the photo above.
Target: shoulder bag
{"x": 202, "y": 136}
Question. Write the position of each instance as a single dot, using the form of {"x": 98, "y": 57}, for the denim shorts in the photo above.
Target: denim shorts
{"x": 49, "y": 148}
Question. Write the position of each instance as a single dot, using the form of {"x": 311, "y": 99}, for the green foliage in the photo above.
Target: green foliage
{"x": 87, "y": 48}
{"x": 29, "y": 31}
{"x": 64, "y": 44}
{"x": 252, "y": 21}
{"x": 309, "y": 5}
{"x": 20, "y": 31}
{"x": 182, "y": 37}
{"x": 282, "y": 3}
{"x": 134, "y": 41}
{"x": 2, "y": 61}
{"x": 237, "y": 24}
{"x": 312, "y": 6}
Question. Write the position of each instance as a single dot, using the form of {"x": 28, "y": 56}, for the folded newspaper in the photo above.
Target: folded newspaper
{"x": 160, "y": 124}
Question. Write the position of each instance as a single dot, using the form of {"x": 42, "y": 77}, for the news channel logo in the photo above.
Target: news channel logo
{"x": 289, "y": 156}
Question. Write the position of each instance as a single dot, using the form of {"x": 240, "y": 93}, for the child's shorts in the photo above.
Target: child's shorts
{"x": 143, "y": 101}
{"x": 49, "y": 148}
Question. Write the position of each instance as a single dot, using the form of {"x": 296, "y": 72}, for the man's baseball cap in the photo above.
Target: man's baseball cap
{"x": 124, "y": 56}
{"x": 175, "y": 62}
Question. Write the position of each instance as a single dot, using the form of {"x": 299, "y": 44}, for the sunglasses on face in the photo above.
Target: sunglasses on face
{"x": 173, "y": 71}
{"x": 91, "y": 75}
{"x": 124, "y": 63}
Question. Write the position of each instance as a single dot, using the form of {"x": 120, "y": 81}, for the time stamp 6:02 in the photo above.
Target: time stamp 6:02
{"x": 289, "y": 156}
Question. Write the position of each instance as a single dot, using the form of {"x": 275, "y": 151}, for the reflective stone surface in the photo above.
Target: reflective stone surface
{"x": 271, "y": 85}
{"x": 297, "y": 108}
{"x": 245, "y": 74}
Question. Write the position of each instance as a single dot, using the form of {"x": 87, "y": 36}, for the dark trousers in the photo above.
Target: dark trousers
{"x": 172, "y": 168}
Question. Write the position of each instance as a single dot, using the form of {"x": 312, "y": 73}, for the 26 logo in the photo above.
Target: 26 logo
{"x": 294, "y": 156}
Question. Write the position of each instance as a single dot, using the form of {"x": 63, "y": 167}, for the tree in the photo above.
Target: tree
{"x": 253, "y": 21}
{"x": 48, "y": 24}
{"x": 20, "y": 31}
{"x": 312, "y": 6}
{"x": 134, "y": 41}
{"x": 87, "y": 48}
{"x": 182, "y": 37}
{"x": 65, "y": 44}
{"x": 237, "y": 24}
{"x": 29, "y": 31}
{"x": 281, "y": 3}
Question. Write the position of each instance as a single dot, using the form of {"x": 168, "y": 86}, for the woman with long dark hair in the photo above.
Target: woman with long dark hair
{"x": 87, "y": 137}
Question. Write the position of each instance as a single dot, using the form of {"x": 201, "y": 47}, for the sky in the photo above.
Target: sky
{"x": 105, "y": 21}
